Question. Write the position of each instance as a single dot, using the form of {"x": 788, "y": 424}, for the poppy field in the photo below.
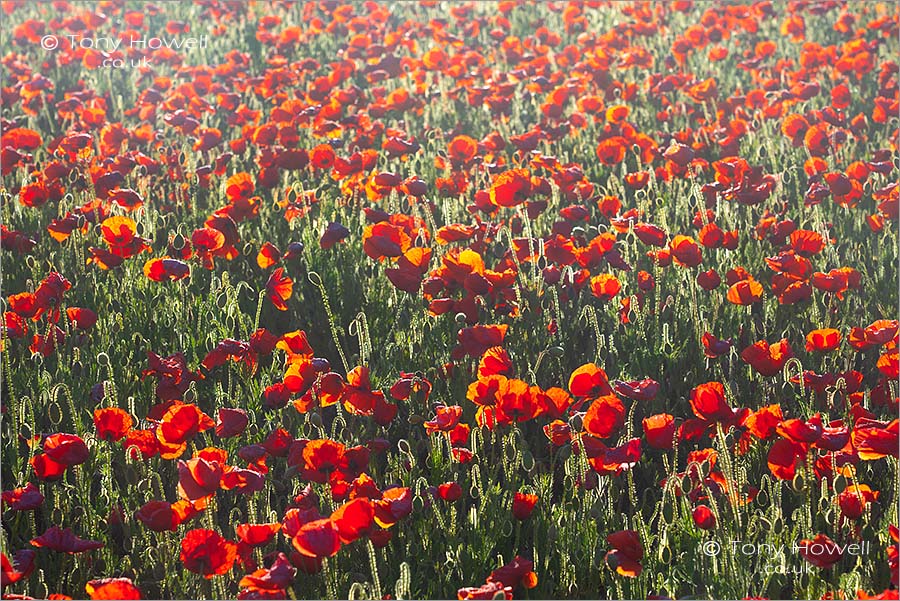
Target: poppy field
{"x": 435, "y": 300}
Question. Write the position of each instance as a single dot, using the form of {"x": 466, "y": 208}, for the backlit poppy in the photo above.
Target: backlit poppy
{"x": 205, "y": 552}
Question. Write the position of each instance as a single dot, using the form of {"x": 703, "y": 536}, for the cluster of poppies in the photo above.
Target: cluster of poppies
{"x": 475, "y": 182}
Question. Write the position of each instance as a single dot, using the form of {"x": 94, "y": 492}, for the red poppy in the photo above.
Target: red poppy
{"x": 487, "y": 591}
{"x": 446, "y": 419}
{"x": 782, "y": 458}
{"x": 270, "y": 582}
{"x": 83, "y": 319}
{"x": 823, "y": 340}
{"x": 686, "y": 251}
{"x": 589, "y": 381}
{"x": 66, "y": 449}
{"x": 703, "y": 517}
{"x": 519, "y": 571}
{"x": 21, "y": 566}
{"x": 26, "y": 498}
{"x": 279, "y": 288}
{"x": 394, "y": 505}
{"x": 179, "y": 424}
{"x": 112, "y": 423}
{"x": 523, "y": 505}
{"x": 625, "y": 554}
{"x": 231, "y": 422}
{"x": 821, "y": 551}
{"x": 207, "y": 553}
{"x": 604, "y": 417}
{"x": 605, "y": 286}
{"x": 199, "y": 478}
{"x": 161, "y": 516}
{"x": 353, "y": 519}
{"x": 112, "y": 588}
{"x": 450, "y": 491}
{"x": 660, "y": 430}
{"x": 745, "y": 292}
{"x": 767, "y": 359}
{"x": 318, "y": 538}
{"x": 268, "y": 255}
{"x": 873, "y": 439}
{"x": 708, "y": 402}
{"x": 166, "y": 269}
{"x": 854, "y": 499}
{"x": 511, "y": 188}
{"x": 334, "y": 233}
{"x": 64, "y": 540}
{"x": 257, "y": 535}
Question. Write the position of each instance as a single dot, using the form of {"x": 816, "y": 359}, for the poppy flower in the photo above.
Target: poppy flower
{"x": 703, "y": 517}
{"x": 394, "y": 505}
{"x": 64, "y": 540}
{"x": 83, "y": 319}
{"x": 270, "y": 582}
{"x": 279, "y": 288}
{"x": 854, "y": 499}
{"x": 178, "y": 425}
{"x": 66, "y": 449}
{"x": 257, "y": 535}
{"x": 207, "y": 553}
{"x": 745, "y": 292}
{"x": 317, "y": 538}
{"x": 166, "y": 270}
{"x": 26, "y": 498}
{"x": 685, "y": 251}
{"x": 625, "y": 554}
{"x": 821, "y": 551}
{"x": 446, "y": 419}
{"x": 239, "y": 186}
{"x": 199, "y": 478}
{"x": 489, "y": 590}
{"x": 511, "y": 188}
{"x": 782, "y": 458}
{"x": 823, "y": 340}
{"x": 334, "y": 233}
{"x": 767, "y": 359}
{"x": 589, "y": 381}
{"x": 353, "y": 519}
{"x": 21, "y": 566}
{"x": 450, "y": 491}
{"x": 112, "y": 588}
{"x": 161, "y": 516}
{"x": 519, "y": 571}
{"x": 523, "y": 505}
{"x": 46, "y": 468}
{"x": 660, "y": 430}
{"x": 604, "y": 417}
{"x": 268, "y": 255}
{"x": 112, "y": 423}
{"x": 873, "y": 439}
{"x": 638, "y": 390}
{"x": 231, "y": 422}
{"x": 605, "y": 286}
{"x": 708, "y": 403}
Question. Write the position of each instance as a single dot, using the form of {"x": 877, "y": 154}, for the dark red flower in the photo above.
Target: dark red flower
{"x": 205, "y": 552}
{"x": 64, "y": 541}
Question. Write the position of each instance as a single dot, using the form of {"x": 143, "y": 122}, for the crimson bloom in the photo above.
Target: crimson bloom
{"x": 626, "y": 553}
{"x": 64, "y": 541}
{"x": 523, "y": 505}
{"x": 207, "y": 553}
